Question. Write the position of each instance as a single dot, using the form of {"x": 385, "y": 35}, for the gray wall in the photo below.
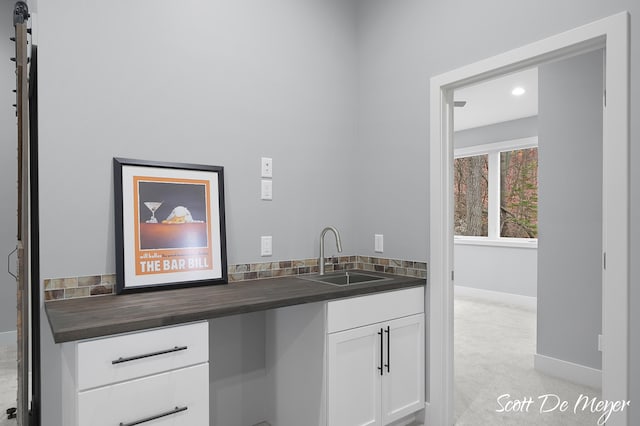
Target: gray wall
{"x": 237, "y": 370}
{"x": 570, "y": 209}
{"x": 226, "y": 84}
{"x": 392, "y": 147}
{"x": 219, "y": 83}
{"x": 404, "y": 43}
{"x": 8, "y": 166}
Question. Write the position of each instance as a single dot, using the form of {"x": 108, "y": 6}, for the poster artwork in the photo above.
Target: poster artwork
{"x": 171, "y": 225}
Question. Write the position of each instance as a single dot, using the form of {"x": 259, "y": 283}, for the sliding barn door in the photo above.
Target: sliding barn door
{"x": 20, "y": 18}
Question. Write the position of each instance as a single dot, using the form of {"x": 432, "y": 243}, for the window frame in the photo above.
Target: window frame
{"x": 492, "y": 151}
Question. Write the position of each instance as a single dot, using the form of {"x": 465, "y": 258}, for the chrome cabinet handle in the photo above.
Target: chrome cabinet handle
{"x": 157, "y": 416}
{"x": 133, "y": 358}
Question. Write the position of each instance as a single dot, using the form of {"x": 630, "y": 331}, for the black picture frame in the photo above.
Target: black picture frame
{"x": 188, "y": 247}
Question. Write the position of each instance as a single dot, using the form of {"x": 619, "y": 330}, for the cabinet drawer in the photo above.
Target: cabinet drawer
{"x": 114, "y": 359}
{"x": 364, "y": 310}
{"x": 175, "y": 398}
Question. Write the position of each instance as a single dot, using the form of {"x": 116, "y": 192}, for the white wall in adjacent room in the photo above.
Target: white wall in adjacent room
{"x": 503, "y": 269}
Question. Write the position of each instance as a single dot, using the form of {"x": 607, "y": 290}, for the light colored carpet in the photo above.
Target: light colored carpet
{"x": 8, "y": 382}
{"x": 494, "y": 346}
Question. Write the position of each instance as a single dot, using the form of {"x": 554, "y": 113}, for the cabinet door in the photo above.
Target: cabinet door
{"x": 403, "y": 381}
{"x": 354, "y": 377}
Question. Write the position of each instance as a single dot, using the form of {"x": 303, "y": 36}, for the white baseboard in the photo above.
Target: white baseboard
{"x": 569, "y": 371}
{"x": 527, "y": 302}
{"x": 9, "y": 338}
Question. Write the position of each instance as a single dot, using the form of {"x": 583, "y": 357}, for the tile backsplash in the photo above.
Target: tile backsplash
{"x": 98, "y": 285}
{"x": 70, "y": 288}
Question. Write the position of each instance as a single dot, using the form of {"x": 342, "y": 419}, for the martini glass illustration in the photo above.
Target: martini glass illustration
{"x": 153, "y": 206}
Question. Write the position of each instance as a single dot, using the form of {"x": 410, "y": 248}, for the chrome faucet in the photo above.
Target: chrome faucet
{"x": 338, "y": 245}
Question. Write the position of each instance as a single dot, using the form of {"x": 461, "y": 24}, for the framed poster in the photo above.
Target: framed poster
{"x": 170, "y": 228}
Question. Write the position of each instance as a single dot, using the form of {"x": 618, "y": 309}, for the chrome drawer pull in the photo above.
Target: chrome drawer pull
{"x": 157, "y": 416}
{"x": 133, "y": 358}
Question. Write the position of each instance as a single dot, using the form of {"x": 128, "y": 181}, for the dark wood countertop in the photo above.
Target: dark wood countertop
{"x": 77, "y": 319}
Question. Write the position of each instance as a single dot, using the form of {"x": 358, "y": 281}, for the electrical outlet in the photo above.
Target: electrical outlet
{"x": 266, "y": 246}
{"x": 267, "y": 167}
{"x": 378, "y": 244}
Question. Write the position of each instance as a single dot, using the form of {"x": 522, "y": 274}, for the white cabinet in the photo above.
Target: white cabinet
{"x": 353, "y": 378}
{"x": 403, "y": 379}
{"x": 375, "y": 372}
{"x": 158, "y": 377}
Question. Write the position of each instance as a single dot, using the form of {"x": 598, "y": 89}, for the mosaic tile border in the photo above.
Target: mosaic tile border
{"x": 99, "y": 285}
{"x": 74, "y": 287}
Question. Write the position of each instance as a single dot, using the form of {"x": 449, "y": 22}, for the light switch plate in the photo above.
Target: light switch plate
{"x": 266, "y": 246}
{"x": 266, "y": 192}
{"x": 378, "y": 243}
{"x": 267, "y": 167}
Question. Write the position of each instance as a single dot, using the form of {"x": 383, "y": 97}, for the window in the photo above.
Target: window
{"x": 496, "y": 192}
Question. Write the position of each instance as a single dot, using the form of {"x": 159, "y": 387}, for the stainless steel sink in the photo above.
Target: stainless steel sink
{"x": 345, "y": 278}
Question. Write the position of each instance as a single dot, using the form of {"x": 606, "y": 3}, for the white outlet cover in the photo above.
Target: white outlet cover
{"x": 378, "y": 244}
{"x": 266, "y": 245}
{"x": 266, "y": 192}
{"x": 267, "y": 167}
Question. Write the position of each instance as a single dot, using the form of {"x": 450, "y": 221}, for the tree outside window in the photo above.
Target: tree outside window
{"x": 471, "y": 195}
{"x": 519, "y": 193}
{"x": 496, "y": 191}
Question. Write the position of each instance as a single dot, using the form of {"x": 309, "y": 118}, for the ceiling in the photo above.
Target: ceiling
{"x": 491, "y": 102}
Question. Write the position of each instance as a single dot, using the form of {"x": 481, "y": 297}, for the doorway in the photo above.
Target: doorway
{"x": 612, "y": 35}
{"x": 528, "y": 168}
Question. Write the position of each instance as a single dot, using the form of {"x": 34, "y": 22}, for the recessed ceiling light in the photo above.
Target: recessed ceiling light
{"x": 518, "y": 91}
